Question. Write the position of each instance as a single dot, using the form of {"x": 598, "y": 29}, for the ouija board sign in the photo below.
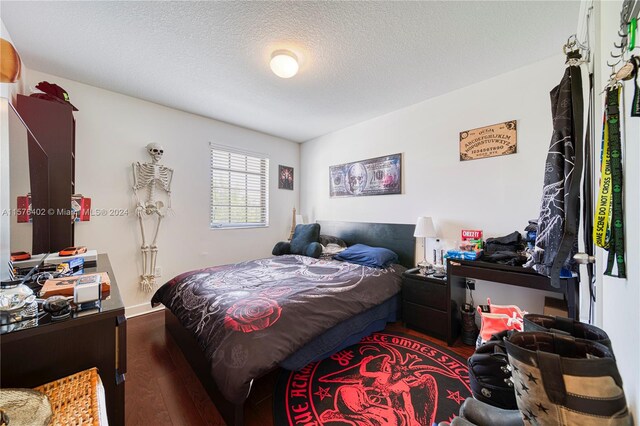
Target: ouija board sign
{"x": 489, "y": 141}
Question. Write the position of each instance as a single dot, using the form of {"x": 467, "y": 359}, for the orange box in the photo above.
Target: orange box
{"x": 64, "y": 286}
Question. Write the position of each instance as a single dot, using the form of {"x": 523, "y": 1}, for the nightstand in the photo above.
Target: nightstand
{"x": 429, "y": 306}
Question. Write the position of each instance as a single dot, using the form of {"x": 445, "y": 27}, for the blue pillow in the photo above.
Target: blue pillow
{"x": 361, "y": 254}
{"x": 303, "y": 236}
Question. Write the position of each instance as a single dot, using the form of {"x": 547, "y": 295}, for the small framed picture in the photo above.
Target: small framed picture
{"x": 285, "y": 177}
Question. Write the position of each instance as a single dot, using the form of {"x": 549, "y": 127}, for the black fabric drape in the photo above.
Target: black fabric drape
{"x": 557, "y": 238}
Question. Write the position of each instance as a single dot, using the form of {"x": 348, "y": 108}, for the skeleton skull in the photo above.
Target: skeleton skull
{"x": 155, "y": 150}
{"x": 356, "y": 178}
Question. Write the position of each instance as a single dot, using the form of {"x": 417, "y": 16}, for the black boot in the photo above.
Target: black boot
{"x": 457, "y": 421}
{"x": 490, "y": 374}
{"x": 477, "y": 413}
{"x": 481, "y": 414}
{"x": 469, "y": 328}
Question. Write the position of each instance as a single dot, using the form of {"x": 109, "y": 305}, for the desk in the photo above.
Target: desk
{"x": 43, "y": 350}
{"x": 459, "y": 270}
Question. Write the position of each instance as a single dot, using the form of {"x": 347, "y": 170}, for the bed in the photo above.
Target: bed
{"x": 235, "y": 323}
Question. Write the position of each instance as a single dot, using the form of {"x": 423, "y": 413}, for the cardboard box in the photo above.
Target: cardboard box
{"x": 555, "y": 307}
{"x": 470, "y": 234}
{"x": 65, "y": 286}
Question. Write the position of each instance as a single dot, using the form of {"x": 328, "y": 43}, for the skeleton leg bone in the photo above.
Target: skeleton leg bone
{"x": 151, "y": 278}
{"x": 154, "y": 250}
{"x": 144, "y": 282}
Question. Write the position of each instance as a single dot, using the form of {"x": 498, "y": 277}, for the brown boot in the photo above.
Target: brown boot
{"x": 563, "y": 381}
{"x": 560, "y": 325}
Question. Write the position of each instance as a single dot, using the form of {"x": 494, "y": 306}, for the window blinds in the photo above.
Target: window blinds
{"x": 239, "y": 188}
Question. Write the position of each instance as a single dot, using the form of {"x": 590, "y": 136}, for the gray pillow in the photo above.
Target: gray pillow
{"x": 325, "y": 240}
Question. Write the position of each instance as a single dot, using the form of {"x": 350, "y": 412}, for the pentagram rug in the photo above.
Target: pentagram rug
{"x": 387, "y": 378}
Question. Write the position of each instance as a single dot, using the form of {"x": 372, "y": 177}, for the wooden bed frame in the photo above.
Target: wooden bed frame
{"x": 396, "y": 237}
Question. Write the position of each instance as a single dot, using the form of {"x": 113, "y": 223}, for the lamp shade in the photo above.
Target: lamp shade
{"x": 425, "y": 228}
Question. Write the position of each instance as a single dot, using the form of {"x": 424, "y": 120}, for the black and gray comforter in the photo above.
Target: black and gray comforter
{"x": 250, "y": 316}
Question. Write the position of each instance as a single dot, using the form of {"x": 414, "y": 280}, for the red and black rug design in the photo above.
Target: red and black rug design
{"x": 386, "y": 379}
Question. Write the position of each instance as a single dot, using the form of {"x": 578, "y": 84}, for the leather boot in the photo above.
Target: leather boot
{"x": 477, "y": 413}
{"x": 560, "y": 325}
{"x": 457, "y": 421}
{"x": 481, "y": 414}
{"x": 469, "y": 329}
{"x": 490, "y": 374}
{"x": 563, "y": 381}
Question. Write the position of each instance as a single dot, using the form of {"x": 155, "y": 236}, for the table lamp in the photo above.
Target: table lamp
{"x": 425, "y": 229}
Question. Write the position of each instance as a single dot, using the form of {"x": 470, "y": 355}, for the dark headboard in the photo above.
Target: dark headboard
{"x": 394, "y": 236}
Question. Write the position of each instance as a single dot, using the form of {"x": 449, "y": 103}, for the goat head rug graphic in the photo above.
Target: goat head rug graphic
{"x": 386, "y": 379}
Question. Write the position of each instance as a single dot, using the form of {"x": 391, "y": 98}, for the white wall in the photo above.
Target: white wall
{"x": 5, "y": 189}
{"x": 620, "y": 298}
{"x": 498, "y": 195}
{"x": 8, "y": 92}
{"x": 20, "y": 181}
{"x": 111, "y": 133}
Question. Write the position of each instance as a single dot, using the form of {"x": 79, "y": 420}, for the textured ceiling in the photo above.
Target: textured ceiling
{"x": 358, "y": 59}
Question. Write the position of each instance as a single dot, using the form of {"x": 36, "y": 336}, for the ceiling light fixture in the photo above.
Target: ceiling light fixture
{"x": 284, "y": 63}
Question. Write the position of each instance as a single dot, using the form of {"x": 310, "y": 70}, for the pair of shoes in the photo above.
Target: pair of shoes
{"x": 489, "y": 368}
{"x": 563, "y": 371}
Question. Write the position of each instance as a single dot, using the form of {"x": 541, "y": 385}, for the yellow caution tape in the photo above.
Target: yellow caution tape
{"x": 601, "y": 223}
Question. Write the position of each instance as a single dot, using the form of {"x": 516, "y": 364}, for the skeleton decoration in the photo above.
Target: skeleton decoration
{"x": 154, "y": 178}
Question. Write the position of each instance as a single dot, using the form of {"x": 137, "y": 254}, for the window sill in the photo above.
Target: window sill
{"x": 220, "y": 228}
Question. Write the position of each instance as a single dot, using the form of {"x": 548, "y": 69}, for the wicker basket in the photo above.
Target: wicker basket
{"x": 74, "y": 399}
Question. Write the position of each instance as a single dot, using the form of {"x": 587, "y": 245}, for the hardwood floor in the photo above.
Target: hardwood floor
{"x": 162, "y": 389}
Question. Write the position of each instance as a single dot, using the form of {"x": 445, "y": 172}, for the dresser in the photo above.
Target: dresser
{"x": 430, "y": 306}
{"x": 41, "y": 351}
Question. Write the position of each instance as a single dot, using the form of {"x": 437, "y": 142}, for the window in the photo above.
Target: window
{"x": 239, "y": 188}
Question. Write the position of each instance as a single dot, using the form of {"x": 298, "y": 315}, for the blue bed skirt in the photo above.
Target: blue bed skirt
{"x": 345, "y": 334}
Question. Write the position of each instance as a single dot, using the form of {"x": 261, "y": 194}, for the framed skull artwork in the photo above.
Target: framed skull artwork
{"x": 375, "y": 176}
{"x": 285, "y": 177}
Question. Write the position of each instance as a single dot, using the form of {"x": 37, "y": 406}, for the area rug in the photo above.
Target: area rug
{"x": 386, "y": 379}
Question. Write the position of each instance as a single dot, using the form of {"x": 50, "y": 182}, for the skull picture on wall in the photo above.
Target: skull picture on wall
{"x": 356, "y": 178}
{"x": 374, "y": 176}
